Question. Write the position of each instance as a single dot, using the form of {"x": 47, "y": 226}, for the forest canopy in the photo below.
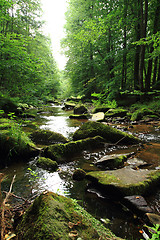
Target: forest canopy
{"x": 27, "y": 67}
{"x": 113, "y": 46}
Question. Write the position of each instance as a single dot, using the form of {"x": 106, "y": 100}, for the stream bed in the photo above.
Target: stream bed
{"x": 121, "y": 221}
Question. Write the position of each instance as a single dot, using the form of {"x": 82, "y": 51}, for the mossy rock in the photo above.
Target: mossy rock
{"x": 112, "y": 161}
{"x": 79, "y": 174}
{"x": 52, "y": 216}
{"x": 110, "y": 134}
{"x": 141, "y": 113}
{"x": 79, "y": 116}
{"x": 14, "y": 143}
{"x": 63, "y": 152}
{"x": 69, "y": 105}
{"x": 80, "y": 109}
{"x": 126, "y": 181}
{"x": 117, "y": 112}
{"x": 47, "y": 163}
{"x": 101, "y": 109}
{"x": 47, "y": 137}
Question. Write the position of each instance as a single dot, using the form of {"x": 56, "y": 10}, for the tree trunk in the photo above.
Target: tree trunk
{"x": 143, "y": 26}
{"x": 124, "y": 67}
{"x": 137, "y": 51}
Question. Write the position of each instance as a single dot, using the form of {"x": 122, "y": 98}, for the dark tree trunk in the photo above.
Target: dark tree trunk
{"x": 144, "y": 17}
{"x": 124, "y": 67}
{"x": 137, "y": 51}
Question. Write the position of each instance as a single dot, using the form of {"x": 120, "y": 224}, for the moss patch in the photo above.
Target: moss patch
{"x": 55, "y": 217}
{"x": 141, "y": 113}
{"x": 47, "y": 137}
{"x": 63, "y": 152}
{"x": 117, "y": 112}
{"x": 47, "y": 163}
{"x": 110, "y": 134}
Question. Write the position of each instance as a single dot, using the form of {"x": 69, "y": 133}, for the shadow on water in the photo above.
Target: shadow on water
{"x": 110, "y": 212}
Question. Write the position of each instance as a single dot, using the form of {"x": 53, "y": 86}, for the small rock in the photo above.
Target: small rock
{"x": 98, "y": 116}
{"x": 137, "y": 203}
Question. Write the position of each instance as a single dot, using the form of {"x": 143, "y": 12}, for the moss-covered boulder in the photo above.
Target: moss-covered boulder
{"x": 63, "y": 152}
{"x": 53, "y": 217}
{"x": 14, "y": 143}
{"x": 112, "y": 161}
{"x": 80, "y": 109}
{"x": 141, "y": 113}
{"x": 47, "y": 137}
{"x": 126, "y": 181}
{"x": 117, "y": 112}
{"x": 110, "y": 134}
{"x": 47, "y": 163}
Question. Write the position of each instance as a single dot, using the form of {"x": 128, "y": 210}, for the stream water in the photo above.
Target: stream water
{"x": 118, "y": 219}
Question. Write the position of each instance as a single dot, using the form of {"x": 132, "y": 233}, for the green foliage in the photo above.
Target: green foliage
{"x": 102, "y": 99}
{"x": 155, "y": 232}
{"x": 104, "y": 41}
{"x": 27, "y": 67}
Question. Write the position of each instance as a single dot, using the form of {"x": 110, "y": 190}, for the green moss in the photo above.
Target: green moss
{"x": 110, "y": 134}
{"x": 50, "y": 216}
{"x": 140, "y": 113}
{"x": 47, "y": 137}
{"x": 47, "y": 163}
{"x": 117, "y": 112}
{"x": 106, "y": 178}
{"x": 63, "y": 152}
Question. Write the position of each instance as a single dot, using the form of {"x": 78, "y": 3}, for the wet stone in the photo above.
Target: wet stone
{"x": 136, "y": 163}
{"x": 137, "y": 204}
{"x": 112, "y": 161}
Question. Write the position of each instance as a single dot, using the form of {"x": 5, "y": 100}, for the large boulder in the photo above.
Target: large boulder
{"x": 63, "y": 152}
{"x": 125, "y": 181}
{"x": 110, "y": 134}
{"x": 52, "y": 216}
{"x": 47, "y": 137}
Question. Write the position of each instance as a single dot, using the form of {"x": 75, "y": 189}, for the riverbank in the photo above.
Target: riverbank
{"x": 66, "y": 169}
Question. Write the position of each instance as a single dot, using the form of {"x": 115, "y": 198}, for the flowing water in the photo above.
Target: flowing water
{"x": 115, "y": 216}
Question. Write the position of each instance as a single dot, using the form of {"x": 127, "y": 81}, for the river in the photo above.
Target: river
{"x": 122, "y": 222}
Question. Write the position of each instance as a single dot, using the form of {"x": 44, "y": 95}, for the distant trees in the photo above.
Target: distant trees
{"x": 27, "y": 67}
{"x": 112, "y": 45}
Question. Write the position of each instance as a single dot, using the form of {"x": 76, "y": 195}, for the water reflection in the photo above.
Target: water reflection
{"x": 60, "y": 124}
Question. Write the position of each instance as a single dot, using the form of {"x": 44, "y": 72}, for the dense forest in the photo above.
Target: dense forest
{"x": 27, "y": 68}
{"x": 112, "y": 46}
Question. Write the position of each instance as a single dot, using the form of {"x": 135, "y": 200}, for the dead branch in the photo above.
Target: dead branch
{"x": 3, "y": 209}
